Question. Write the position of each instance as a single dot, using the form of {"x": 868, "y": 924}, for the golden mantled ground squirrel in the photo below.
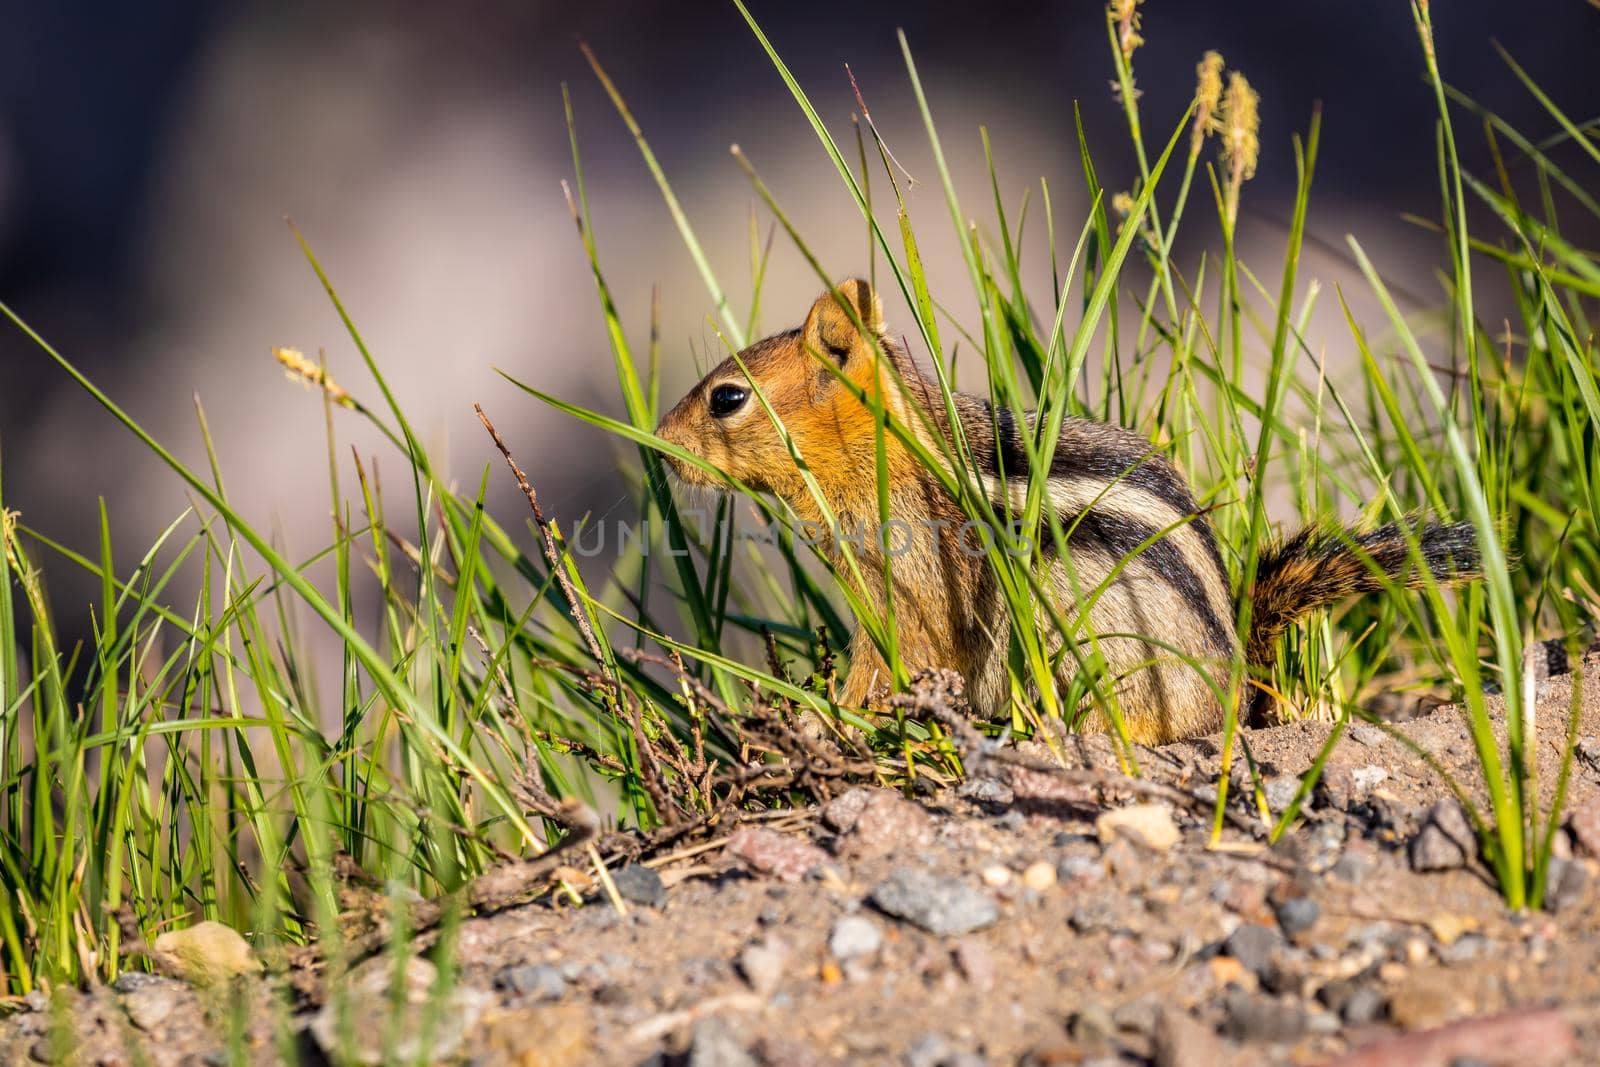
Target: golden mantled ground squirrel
{"x": 1108, "y": 487}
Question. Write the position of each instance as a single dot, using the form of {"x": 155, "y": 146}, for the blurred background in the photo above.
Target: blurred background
{"x": 149, "y": 154}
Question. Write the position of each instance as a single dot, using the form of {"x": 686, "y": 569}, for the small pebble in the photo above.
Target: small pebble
{"x": 151, "y": 1006}
{"x": 783, "y": 856}
{"x": 713, "y": 1045}
{"x": 1138, "y": 1016}
{"x": 1567, "y": 884}
{"x": 1040, "y": 876}
{"x": 1084, "y": 868}
{"x": 1092, "y": 1026}
{"x": 976, "y": 963}
{"x": 940, "y": 905}
{"x": 840, "y": 813}
{"x": 1149, "y": 825}
{"x": 1256, "y": 947}
{"x": 1447, "y": 927}
{"x": 1368, "y": 777}
{"x": 1261, "y": 1018}
{"x": 1365, "y": 1005}
{"x": 1180, "y": 1041}
{"x": 988, "y": 791}
{"x": 1297, "y": 914}
{"x": 1445, "y": 841}
{"x": 1466, "y": 949}
{"x": 854, "y": 936}
{"x": 536, "y": 981}
{"x": 1363, "y": 734}
{"x": 1352, "y": 867}
{"x": 763, "y": 964}
{"x": 1281, "y": 792}
{"x": 638, "y": 884}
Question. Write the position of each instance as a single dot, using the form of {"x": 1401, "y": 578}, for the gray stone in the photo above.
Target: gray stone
{"x": 1464, "y": 949}
{"x": 986, "y": 790}
{"x": 1566, "y": 884}
{"x": 854, "y": 936}
{"x": 1076, "y": 867}
{"x": 640, "y": 885}
{"x": 1368, "y": 777}
{"x": 1180, "y": 1041}
{"x": 1366, "y": 1004}
{"x": 371, "y": 1022}
{"x": 1445, "y": 841}
{"x": 763, "y": 964}
{"x": 1138, "y": 1016}
{"x": 1353, "y": 867}
{"x": 1012, "y": 820}
{"x": 1296, "y": 914}
{"x": 133, "y": 981}
{"x": 929, "y": 1050}
{"x": 1321, "y": 846}
{"x": 1363, "y": 734}
{"x": 1099, "y": 914}
{"x": 940, "y": 905}
{"x": 935, "y": 1050}
{"x": 152, "y": 1004}
{"x": 713, "y": 1045}
{"x": 537, "y": 981}
{"x": 1281, "y": 792}
{"x": 840, "y": 813}
{"x": 1320, "y": 1022}
{"x": 1254, "y": 946}
{"x": 1258, "y": 1018}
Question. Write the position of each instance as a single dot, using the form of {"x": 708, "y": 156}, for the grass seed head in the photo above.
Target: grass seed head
{"x": 1207, "y": 98}
{"x": 8, "y": 529}
{"x": 1241, "y": 128}
{"x": 297, "y": 368}
{"x": 1125, "y": 13}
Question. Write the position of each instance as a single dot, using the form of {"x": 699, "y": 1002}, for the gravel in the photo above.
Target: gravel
{"x": 853, "y": 937}
{"x": 713, "y": 1045}
{"x": 1255, "y": 946}
{"x": 537, "y": 981}
{"x": 1297, "y": 914}
{"x": 763, "y": 965}
{"x": 939, "y": 904}
{"x": 1259, "y": 1018}
{"x": 640, "y": 885}
{"x": 1445, "y": 842}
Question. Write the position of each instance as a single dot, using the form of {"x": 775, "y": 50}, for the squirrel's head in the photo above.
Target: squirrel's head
{"x": 723, "y": 421}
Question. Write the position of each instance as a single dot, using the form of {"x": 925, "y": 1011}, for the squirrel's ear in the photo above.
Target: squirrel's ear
{"x": 835, "y": 330}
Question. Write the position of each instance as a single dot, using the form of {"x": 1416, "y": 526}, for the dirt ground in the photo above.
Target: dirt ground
{"x": 1023, "y": 918}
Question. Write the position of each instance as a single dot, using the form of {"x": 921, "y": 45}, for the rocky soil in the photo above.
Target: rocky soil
{"x": 1023, "y": 918}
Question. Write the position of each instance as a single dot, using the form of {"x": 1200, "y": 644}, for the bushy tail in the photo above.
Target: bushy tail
{"x": 1319, "y": 566}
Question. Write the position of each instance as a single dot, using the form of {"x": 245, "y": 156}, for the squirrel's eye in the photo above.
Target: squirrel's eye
{"x": 726, "y": 399}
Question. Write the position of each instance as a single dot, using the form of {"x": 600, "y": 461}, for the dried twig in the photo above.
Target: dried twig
{"x": 938, "y": 695}
{"x": 552, "y": 553}
{"x": 490, "y": 891}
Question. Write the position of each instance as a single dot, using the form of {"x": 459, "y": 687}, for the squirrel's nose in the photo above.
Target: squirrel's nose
{"x": 671, "y": 430}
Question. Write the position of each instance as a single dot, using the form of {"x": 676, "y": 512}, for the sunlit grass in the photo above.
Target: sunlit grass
{"x": 185, "y": 762}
